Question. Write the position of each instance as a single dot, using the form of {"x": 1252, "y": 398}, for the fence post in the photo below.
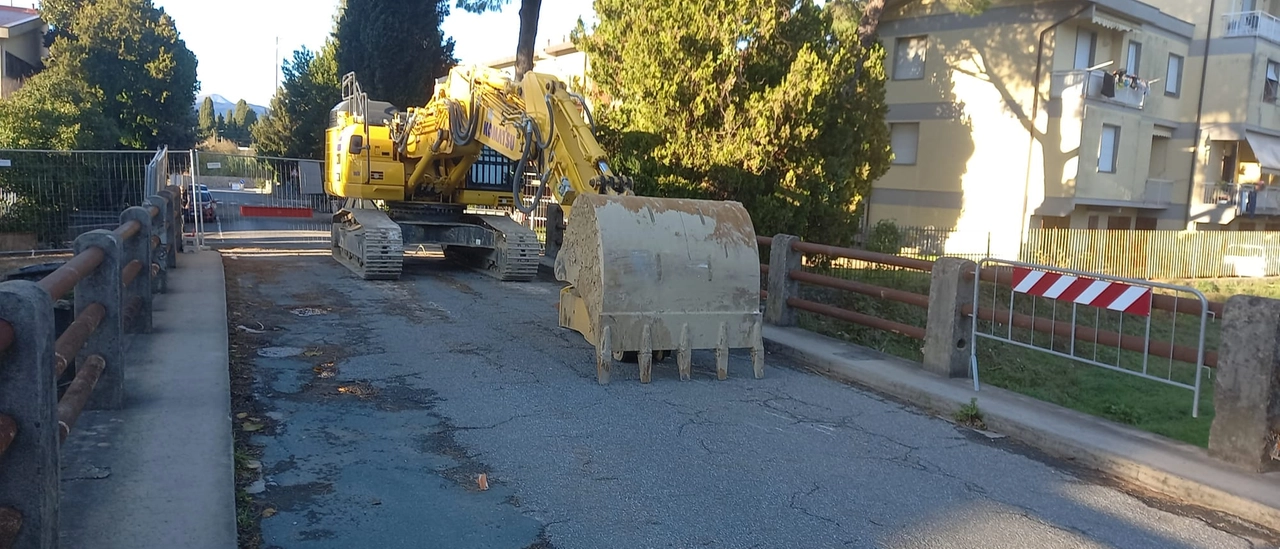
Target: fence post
{"x": 782, "y": 260}
{"x": 160, "y": 229}
{"x": 173, "y": 225}
{"x": 103, "y": 285}
{"x": 947, "y": 329}
{"x": 29, "y": 475}
{"x": 1244, "y": 392}
{"x": 137, "y": 295}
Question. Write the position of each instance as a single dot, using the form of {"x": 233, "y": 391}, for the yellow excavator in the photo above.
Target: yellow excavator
{"x": 647, "y": 277}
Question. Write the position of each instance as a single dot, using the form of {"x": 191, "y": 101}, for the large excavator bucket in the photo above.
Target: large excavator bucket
{"x": 653, "y": 275}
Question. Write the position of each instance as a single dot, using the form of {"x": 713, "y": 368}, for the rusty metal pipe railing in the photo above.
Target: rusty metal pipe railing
{"x": 8, "y": 432}
{"x": 861, "y": 288}
{"x": 857, "y": 318}
{"x": 73, "y": 338}
{"x": 863, "y": 255}
{"x": 1137, "y": 344}
{"x": 61, "y": 281}
{"x": 764, "y": 240}
{"x": 6, "y": 335}
{"x": 130, "y": 272}
{"x": 10, "y": 525}
{"x": 77, "y": 395}
{"x": 128, "y": 229}
{"x": 153, "y": 210}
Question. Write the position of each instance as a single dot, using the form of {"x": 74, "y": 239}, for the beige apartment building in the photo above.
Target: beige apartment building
{"x": 1106, "y": 114}
{"x": 22, "y": 50}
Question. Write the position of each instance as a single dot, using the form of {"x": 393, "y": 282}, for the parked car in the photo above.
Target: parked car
{"x": 208, "y": 205}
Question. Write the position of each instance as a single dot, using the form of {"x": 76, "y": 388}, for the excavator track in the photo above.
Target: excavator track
{"x": 369, "y": 243}
{"x": 515, "y": 255}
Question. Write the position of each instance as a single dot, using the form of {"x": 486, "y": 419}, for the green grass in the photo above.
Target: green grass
{"x": 1123, "y": 398}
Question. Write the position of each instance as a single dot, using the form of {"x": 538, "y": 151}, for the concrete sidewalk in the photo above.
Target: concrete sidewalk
{"x": 159, "y": 472}
{"x": 1156, "y": 463}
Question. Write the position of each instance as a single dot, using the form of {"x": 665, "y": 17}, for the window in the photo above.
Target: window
{"x": 1272, "y": 85}
{"x": 1086, "y": 42}
{"x": 1108, "y": 148}
{"x": 908, "y": 62}
{"x": 1173, "y": 76}
{"x": 1145, "y": 224}
{"x": 1135, "y": 57}
{"x": 904, "y": 139}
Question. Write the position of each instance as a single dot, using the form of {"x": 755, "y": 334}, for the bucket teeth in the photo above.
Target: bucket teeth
{"x": 369, "y": 243}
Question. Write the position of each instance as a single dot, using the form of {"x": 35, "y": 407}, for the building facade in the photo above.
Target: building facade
{"x": 1106, "y": 114}
{"x": 22, "y": 50}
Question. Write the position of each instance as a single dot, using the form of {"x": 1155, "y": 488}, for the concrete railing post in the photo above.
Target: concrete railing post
{"x": 29, "y": 469}
{"x": 1246, "y": 401}
{"x": 947, "y": 329}
{"x": 138, "y": 249}
{"x": 782, "y": 260}
{"x": 160, "y": 229}
{"x": 104, "y": 286}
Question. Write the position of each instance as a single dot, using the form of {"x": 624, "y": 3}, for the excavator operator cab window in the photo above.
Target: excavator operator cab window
{"x": 356, "y": 145}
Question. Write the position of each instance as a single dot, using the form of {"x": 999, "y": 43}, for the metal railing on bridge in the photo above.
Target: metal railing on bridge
{"x": 111, "y": 279}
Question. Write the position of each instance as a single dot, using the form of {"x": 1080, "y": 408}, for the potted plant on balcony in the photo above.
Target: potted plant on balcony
{"x": 1222, "y": 192}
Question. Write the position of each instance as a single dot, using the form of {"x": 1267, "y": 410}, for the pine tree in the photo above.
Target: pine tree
{"x": 762, "y": 111}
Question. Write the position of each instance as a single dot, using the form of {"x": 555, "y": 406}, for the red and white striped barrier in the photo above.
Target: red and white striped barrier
{"x": 1103, "y": 294}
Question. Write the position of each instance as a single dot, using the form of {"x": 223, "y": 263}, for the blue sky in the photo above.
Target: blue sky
{"x": 237, "y": 52}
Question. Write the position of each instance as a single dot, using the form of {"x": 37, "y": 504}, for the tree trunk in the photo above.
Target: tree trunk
{"x": 529, "y": 10}
{"x": 870, "y": 21}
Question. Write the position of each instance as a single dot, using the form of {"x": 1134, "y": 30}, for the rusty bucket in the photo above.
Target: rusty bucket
{"x": 654, "y": 275}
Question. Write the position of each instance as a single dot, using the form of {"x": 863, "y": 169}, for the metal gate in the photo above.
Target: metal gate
{"x": 251, "y": 200}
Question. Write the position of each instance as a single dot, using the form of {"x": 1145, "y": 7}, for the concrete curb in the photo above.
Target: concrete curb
{"x": 1158, "y": 464}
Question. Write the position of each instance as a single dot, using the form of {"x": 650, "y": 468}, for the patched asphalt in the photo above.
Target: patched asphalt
{"x": 383, "y": 401}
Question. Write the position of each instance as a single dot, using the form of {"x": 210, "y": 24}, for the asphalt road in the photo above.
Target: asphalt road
{"x": 383, "y": 401}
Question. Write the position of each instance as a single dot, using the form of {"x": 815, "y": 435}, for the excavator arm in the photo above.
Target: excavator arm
{"x": 537, "y": 122}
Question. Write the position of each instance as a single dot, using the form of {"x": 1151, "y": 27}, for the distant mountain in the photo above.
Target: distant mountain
{"x": 221, "y": 105}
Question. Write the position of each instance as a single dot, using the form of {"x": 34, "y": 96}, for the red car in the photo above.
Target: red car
{"x": 208, "y": 206}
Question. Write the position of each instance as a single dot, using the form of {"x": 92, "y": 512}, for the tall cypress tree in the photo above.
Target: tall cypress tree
{"x": 396, "y": 48}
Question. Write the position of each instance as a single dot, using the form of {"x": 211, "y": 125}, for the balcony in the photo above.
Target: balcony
{"x": 1253, "y": 23}
{"x": 1090, "y": 84}
{"x": 1255, "y": 201}
{"x": 1221, "y": 194}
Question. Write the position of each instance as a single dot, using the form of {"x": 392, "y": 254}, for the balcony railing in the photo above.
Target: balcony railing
{"x": 1222, "y": 194}
{"x": 1255, "y": 201}
{"x": 1090, "y": 84}
{"x": 1253, "y": 23}
{"x": 1158, "y": 192}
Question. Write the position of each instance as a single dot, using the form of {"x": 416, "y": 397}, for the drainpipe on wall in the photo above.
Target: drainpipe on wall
{"x": 1035, "y": 114}
{"x": 1195, "y": 148}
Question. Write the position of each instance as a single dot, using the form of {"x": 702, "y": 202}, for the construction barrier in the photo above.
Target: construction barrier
{"x": 1094, "y": 319}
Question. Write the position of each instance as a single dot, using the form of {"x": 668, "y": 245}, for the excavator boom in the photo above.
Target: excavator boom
{"x": 647, "y": 277}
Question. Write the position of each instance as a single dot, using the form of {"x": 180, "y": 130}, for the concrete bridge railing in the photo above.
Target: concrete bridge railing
{"x": 112, "y": 279}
